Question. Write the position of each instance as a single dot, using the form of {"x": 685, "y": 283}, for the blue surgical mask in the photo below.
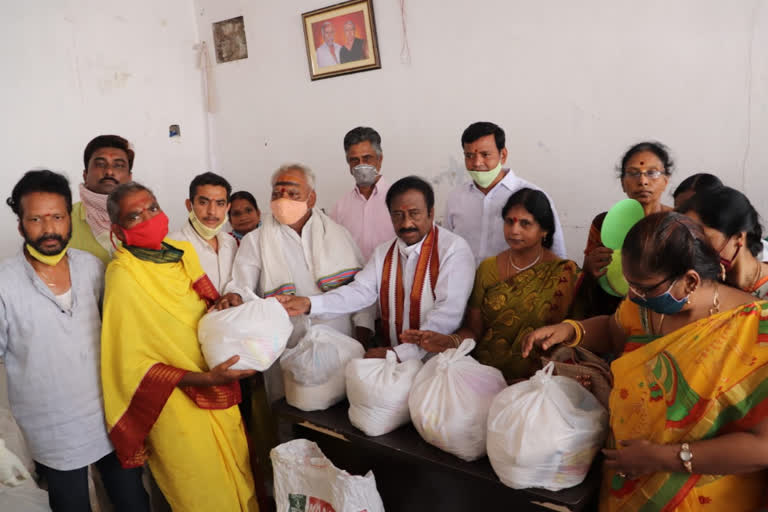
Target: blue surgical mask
{"x": 664, "y": 304}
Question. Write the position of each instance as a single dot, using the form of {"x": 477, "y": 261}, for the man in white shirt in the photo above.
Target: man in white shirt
{"x": 50, "y": 340}
{"x": 328, "y": 53}
{"x": 473, "y": 210}
{"x": 297, "y": 250}
{"x": 420, "y": 280}
{"x": 208, "y": 205}
{"x": 363, "y": 210}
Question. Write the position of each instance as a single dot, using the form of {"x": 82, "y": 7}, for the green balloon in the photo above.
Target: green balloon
{"x": 619, "y": 220}
{"x": 605, "y": 285}
{"x": 615, "y": 276}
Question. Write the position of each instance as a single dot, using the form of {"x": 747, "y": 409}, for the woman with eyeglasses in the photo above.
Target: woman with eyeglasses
{"x": 733, "y": 227}
{"x": 689, "y": 404}
{"x": 644, "y": 172}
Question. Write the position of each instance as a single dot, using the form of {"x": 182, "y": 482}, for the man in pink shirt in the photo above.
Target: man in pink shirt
{"x": 363, "y": 210}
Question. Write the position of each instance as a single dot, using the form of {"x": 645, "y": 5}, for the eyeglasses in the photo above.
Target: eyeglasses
{"x": 651, "y": 175}
{"x": 644, "y": 291}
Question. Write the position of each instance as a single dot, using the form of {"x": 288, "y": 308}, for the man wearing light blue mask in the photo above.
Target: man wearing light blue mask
{"x": 363, "y": 210}
{"x": 473, "y": 209}
{"x": 208, "y": 205}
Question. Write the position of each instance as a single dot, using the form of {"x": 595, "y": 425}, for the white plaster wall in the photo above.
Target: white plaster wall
{"x": 75, "y": 69}
{"x": 572, "y": 83}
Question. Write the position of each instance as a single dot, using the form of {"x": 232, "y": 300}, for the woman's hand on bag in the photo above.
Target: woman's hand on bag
{"x": 547, "y": 337}
{"x": 597, "y": 260}
{"x": 221, "y": 374}
{"x": 637, "y": 457}
{"x": 228, "y": 300}
{"x": 430, "y": 341}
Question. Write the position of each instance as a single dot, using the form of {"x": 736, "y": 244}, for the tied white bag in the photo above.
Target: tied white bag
{"x": 306, "y": 481}
{"x": 378, "y": 391}
{"x": 544, "y": 432}
{"x": 257, "y": 331}
{"x": 313, "y": 371}
{"x": 450, "y": 399}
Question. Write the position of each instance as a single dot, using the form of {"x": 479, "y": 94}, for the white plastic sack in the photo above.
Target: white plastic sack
{"x": 378, "y": 391}
{"x": 450, "y": 399}
{"x": 25, "y": 498}
{"x": 257, "y": 331}
{"x": 306, "y": 481}
{"x": 313, "y": 371}
{"x": 544, "y": 432}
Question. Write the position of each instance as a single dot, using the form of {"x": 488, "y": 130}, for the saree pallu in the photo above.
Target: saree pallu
{"x": 193, "y": 438}
{"x": 541, "y": 295}
{"x": 706, "y": 379}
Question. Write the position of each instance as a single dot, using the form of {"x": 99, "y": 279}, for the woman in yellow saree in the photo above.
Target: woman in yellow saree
{"x": 689, "y": 406}
{"x": 516, "y": 291}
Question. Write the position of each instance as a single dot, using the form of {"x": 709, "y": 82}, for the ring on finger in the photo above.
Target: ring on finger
{"x": 621, "y": 474}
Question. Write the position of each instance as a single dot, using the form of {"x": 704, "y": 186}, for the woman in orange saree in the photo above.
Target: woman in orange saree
{"x": 689, "y": 407}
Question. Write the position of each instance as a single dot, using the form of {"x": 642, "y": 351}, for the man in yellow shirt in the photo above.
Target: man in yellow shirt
{"x": 108, "y": 163}
{"x": 162, "y": 402}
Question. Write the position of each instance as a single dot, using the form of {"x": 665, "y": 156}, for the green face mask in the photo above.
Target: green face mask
{"x": 485, "y": 178}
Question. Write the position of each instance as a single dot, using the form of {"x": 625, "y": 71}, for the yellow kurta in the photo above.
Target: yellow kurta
{"x": 199, "y": 456}
{"x": 82, "y": 236}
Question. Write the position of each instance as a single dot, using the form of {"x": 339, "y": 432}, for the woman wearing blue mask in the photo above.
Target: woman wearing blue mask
{"x": 690, "y": 392}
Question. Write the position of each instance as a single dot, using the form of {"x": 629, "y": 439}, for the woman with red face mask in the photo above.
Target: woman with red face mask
{"x": 733, "y": 227}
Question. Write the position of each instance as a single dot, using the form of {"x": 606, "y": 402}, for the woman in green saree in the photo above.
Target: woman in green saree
{"x": 516, "y": 291}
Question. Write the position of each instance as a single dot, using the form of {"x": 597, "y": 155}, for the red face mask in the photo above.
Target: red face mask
{"x": 148, "y": 234}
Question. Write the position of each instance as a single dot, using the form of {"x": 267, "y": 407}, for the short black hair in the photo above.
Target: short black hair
{"x": 670, "y": 244}
{"x": 657, "y": 148}
{"x": 728, "y": 211}
{"x": 244, "y": 194}
{"x": 39, "y": 181}
{"x": 481, "y": 129}
{"x": 403, "y": 185}
{"x": 537, "y": 204}
{"x": 697, "y": 183}
{"x": 208, "y": 178}
{"x": 108, "y": 141}
{"x": 363, "y": 134}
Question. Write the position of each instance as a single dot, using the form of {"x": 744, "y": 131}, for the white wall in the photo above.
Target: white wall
{"x": 73, "y": 70}
{"x": 572, "y": 83}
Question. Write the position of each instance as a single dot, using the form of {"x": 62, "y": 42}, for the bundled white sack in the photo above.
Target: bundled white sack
{"x": 257, "y": 331}
{"x": 306, "y": 481}
{"x": 313, "y": 370}
{"x": 544, "y": 432}
{"x": 377, "y": 390}
{"x": 450, "y": 399}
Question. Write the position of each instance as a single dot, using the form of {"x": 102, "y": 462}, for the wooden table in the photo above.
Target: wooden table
{"x": 412, "y": 475}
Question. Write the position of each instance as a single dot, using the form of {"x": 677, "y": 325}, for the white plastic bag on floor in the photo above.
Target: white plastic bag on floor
{"x": 450, "y": 399}
{"x": 378, "y": 391}
{"x": 313, "y": 371}
{"x": 257, "y": 331}
{"x": 544, "y": 432}
{"x": 306, "y": 481}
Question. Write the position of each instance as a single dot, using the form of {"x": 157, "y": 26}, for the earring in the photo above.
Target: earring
{"x": 722, "y": 272}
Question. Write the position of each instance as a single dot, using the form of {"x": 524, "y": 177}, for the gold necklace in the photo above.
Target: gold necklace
{"x": 715, "y": 302}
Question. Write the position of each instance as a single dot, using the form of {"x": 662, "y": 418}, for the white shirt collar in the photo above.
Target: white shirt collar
{"x": 408, "y": 250}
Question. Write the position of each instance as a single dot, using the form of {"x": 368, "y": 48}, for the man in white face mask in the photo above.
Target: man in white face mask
{"x": 298, "y": 250}
{"x": 363, "y": 210}
{"x": 208, "y": 205}
{"x": 473, "y": 209}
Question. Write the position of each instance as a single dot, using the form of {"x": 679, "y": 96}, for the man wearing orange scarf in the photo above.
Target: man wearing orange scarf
{"x": 162, "y": 403}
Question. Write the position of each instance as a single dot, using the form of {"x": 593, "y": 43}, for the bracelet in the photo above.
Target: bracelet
{"x": 456, "y": 339}
{"x": 580, "y": 332}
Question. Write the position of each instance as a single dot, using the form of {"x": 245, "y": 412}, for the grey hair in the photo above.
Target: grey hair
{"x": 363, "y": 134}
{"x": 325, "y": 24}
{"x": 309, "y": 175}
{"x": 117, "y": 195}
{"x": 349, "y": 22}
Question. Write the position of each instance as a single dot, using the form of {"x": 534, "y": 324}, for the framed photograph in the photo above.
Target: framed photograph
{"x": 341, "y": 39}
{"x": 229, "y": 40}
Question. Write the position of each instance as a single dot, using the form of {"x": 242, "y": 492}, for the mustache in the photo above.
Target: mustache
{"x": 107, "y": 178}
{"x": 407, "y": 230}
{"x": 212, "y": 219}
{"x": 45, "y": 238}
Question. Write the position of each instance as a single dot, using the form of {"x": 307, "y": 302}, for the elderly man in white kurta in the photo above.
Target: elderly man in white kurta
{"x": 297, "y": 250}
{"x": 421, "y": 280}
{"x": 208, "y": 205}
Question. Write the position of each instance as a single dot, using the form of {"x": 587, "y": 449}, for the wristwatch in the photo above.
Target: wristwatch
{"x": 686, "y": 456}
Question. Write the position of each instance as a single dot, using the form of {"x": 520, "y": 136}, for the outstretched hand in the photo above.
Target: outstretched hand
{"x": 221, "y": 374}
{"x": 547, "y": 337}
{"x": 430, "y": 341}
{"x": 294, "y": 305}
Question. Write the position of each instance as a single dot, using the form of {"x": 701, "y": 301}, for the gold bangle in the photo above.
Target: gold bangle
{"x": 579, "y": 332}
{"x": 456, "y": 339}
